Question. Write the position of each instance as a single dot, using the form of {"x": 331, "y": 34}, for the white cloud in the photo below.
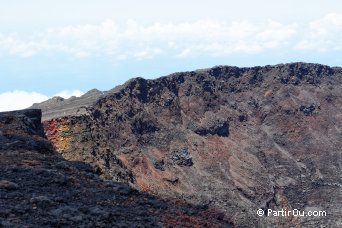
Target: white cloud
{"x": 14, "y": 100}
{"x": 324, "y": 34}
{"x": 185, "y": 53}
{"x": 19, "y": 99}
{"x": 135, "y": 40}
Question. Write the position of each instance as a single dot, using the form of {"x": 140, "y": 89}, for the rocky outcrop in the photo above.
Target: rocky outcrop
{"x": 38, "y": 188}
{"x": 239, "y": 139}
{"x": 23, "y": 129}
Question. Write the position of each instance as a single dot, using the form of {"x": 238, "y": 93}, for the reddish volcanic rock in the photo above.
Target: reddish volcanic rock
{"x": 237, "y": 139}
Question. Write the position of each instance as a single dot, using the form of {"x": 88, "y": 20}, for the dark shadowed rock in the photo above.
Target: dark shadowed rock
{"x": 5, "y": 184}
{"x": 23, "y": 128}
{"x": 159, "y": 164}
{"x": 307, "y": 110}
{"x": 182, "y": 157}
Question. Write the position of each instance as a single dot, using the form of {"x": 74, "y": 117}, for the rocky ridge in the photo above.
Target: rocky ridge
{"x": 58, "y": 106}
{"x": 237, "y": 139}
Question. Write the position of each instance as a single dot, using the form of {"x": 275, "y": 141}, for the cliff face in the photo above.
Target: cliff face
{"x": 38, "y": 188}
{"x": 237, "y": 139}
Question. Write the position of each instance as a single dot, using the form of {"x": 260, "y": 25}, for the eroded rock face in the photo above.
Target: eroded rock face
{"x": 236, "y": 138}
{"x": 38, "y": 188}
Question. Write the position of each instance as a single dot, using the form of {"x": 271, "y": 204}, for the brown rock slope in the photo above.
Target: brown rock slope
{"x": 38, "y": 188}
{"x": 238, "y": 139}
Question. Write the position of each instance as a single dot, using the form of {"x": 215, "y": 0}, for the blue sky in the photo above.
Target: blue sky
{"x": 65, "y": 48}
